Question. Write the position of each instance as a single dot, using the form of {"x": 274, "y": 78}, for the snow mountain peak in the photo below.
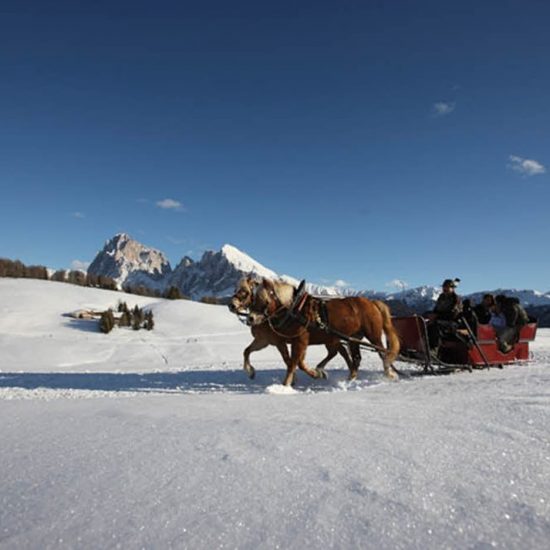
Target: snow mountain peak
{"x": 243, "y": 262}
{"x": 216, "y": 273}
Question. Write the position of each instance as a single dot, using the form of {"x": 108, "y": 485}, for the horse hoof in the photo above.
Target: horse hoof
{"x": 251, "y": 371}
{"x": 321, "y": 373}
{"x": 352, "y": 376}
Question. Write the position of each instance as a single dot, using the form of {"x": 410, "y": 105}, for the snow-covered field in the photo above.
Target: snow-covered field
{"x": 158, "y": 440}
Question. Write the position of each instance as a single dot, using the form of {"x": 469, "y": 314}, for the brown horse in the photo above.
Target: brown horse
{"x": 265, "y": 334}
{"x": 351, "y": 317}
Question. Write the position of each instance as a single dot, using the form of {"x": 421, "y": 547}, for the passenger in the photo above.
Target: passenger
{"x": 497, "y": 320}
{"x": 515, "y": 317}
{"x": 447, "y": 310}
{"x": 485, "y": 309}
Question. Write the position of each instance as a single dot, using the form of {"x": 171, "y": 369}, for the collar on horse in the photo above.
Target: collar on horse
{"x": 283, "y": 314}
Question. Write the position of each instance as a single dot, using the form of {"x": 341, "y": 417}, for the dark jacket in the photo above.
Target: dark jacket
{"x": 448, "y": 307}
{"x": 514, "y": 313}
{"x": 483, "y": 314}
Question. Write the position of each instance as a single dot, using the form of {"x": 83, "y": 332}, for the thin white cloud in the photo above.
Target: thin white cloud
{"x": 397, "y": 284}
{"x": 443, "y": 108}
{"x": 78, "y": 215}
{"x": 79, "y": 265}
{"x": 170, "y": 204}
{"x": 526, "y": 167}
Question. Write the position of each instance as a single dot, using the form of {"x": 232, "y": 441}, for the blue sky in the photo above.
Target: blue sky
{"x": 355, "y": 141}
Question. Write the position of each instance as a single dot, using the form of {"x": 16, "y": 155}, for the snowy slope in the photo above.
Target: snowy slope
{"x": 158, "y": 440}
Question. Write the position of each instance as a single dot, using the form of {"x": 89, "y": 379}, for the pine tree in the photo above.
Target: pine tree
{"x": 36, "y": 272}
{"x": 138, "y": 314}
{"x": 60, "y": 276}
{"x": 124, "y": 320}
{"x": 149, "y": 322}
{"x": 77, "y": 277}
{"x": 174, "y": 293}
{"x": 107, "y": 321}
{"x": 92, "y": 280}
{"x": 136, "y": 324}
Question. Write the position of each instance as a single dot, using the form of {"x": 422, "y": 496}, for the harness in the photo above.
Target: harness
{"x": 292, "y": 313}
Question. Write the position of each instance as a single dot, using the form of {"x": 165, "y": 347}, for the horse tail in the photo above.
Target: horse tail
{"x": 392, "y": 340}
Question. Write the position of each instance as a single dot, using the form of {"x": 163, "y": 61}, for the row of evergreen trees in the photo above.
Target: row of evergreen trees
{"x": 172, "y": 293}
{"x": 84, "y": 279}
{"x": 17, "y": 269}
{"x": 135, "y": 318}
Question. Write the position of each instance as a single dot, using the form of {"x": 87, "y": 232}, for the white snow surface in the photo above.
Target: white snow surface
{"x": 158, "y": 440}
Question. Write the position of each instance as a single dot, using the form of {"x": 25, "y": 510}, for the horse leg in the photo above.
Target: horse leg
{"x": 290, "y": 377}
{"x": 256, "y": 345}
{"x": 299, "y": 348}
{"x": 388, "y": 369}
{"x": 283, "y": 350}
{"x": 391, "y": 350}
{"x": 314, "y": 373}
{"x": 334, "y": 348}
{"x": 332, "y": 351}
{"x": 355, "y": 351}
{"x": 351, "y": 361}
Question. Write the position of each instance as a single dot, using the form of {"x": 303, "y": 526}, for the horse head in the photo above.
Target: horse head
{"x": 271, "y": 297}
{"x": 242, "y": 301}
{"x": 259, "y": 300}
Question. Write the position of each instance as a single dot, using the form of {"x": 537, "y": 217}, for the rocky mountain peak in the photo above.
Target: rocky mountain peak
{"x": 216, "y": 273}
{"x": 129, "y": 262}
{"x": 186, "y": 261}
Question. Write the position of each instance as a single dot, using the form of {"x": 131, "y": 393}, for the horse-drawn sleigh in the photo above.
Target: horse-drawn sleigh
{"x": 472, "y": 347}
{"x": 280, "y": 314}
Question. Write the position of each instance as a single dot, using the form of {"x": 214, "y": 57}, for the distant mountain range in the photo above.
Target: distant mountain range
{"x": 216, "y": 274}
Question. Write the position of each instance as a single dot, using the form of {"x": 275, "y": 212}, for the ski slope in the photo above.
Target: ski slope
{"x": 158, "y": 440}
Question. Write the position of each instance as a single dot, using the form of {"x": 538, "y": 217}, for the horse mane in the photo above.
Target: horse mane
{"x": 283, "y": 290}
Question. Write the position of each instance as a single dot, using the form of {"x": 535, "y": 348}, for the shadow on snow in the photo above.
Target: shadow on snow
{"x": 213, "y": 381}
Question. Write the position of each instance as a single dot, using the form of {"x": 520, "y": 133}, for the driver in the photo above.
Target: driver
{"x": 447, "y": 311}
{"x": 449, "y": 305}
